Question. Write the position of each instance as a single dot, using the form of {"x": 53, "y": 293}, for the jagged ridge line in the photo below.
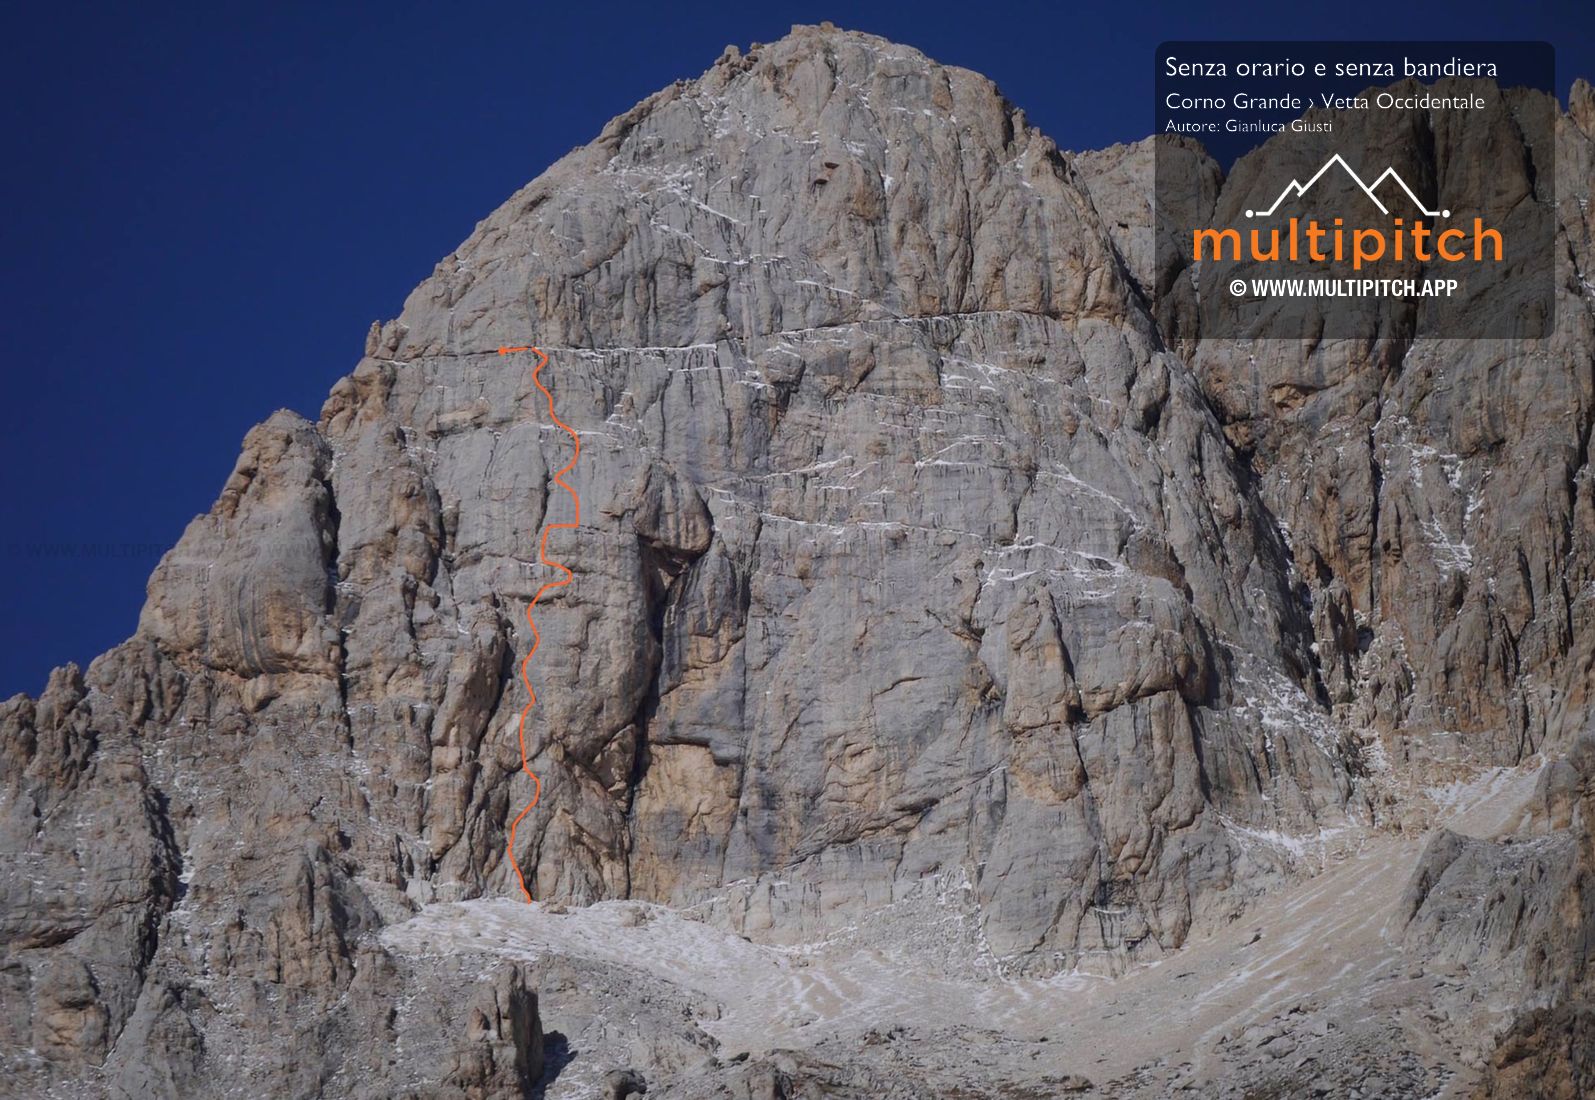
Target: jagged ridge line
{"x": 542, "y": 556}
{"x": 1302, "y": 189}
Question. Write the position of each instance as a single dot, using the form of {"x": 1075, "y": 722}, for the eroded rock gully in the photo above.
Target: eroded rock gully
{"x": 935, "y": 593}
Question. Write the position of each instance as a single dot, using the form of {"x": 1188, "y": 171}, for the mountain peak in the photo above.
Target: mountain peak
{"x": 934, "y": 625}
{"x": 828, "y": 178}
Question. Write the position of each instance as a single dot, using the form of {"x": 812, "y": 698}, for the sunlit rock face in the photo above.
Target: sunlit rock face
{"x": 913, "y": 564}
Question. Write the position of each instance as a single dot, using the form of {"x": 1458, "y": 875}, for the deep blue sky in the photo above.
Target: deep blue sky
{"x": 205, "y": 208}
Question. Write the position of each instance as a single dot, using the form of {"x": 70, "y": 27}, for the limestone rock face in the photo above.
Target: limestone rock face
{"x": 911, "y": 551}
{"x": 914, "y": 556}
{"x": 1437, "y": 493}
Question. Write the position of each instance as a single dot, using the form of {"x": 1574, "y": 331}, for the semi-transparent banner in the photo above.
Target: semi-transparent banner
{"x": 1347, "y": 190}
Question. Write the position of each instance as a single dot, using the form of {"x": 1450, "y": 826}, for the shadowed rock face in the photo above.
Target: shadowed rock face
{"x": 909, "y": 551}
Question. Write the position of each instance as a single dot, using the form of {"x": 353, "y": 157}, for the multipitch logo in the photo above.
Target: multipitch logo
{"x": 1311, "y": 242}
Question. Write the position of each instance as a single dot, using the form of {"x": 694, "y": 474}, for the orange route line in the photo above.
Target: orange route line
{"x": 542, "y": 555}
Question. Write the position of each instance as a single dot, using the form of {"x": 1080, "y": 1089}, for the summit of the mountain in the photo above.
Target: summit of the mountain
{"x": 939, "y": 607}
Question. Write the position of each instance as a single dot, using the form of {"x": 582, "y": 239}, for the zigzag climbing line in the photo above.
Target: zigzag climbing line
{"x": 542, "y": 555}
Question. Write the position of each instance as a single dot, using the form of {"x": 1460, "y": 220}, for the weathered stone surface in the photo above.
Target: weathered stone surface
{"x": 920, "y": 544}
{"x": 1436, "y": 493}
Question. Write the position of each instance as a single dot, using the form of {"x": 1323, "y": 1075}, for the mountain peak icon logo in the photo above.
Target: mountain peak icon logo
{"x": 1297, "y": 189}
